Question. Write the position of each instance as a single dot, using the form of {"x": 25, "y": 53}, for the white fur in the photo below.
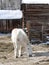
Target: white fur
{"x": 20, "y": 39}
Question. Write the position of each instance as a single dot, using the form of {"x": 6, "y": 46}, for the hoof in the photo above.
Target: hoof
{"x": 21, "y": 54}
{"x": 16, "y": 56}
{"x": 30, "y": 55}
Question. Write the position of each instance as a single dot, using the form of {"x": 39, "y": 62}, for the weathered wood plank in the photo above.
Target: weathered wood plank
{"x": 38, "y": 15}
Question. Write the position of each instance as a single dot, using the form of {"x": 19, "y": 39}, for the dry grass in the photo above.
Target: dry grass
{"x": 40, "y": 54}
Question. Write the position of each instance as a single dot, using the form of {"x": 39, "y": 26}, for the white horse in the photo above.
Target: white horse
{"x": 20, "y": 39}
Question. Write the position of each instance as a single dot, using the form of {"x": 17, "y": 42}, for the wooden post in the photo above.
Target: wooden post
{"x": 42, "y": 32}
{"x": 23, "y": 22}
{"x": 10, "y": 24}
{"x": 28, "y": 28}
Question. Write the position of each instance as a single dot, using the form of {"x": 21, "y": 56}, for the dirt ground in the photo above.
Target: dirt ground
{"x": 40, "y": 54}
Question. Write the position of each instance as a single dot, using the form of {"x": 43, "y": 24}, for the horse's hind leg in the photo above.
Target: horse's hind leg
{"x": 19, "y": 51}
{"x": 15, "y": 53}
{"x": 15, "y": 50}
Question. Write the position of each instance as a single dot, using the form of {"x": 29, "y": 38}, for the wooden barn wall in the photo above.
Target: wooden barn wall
{"x": 10, "y": 4}
{"x": 7, "y": 25}
{"x": 36, "y": 17}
